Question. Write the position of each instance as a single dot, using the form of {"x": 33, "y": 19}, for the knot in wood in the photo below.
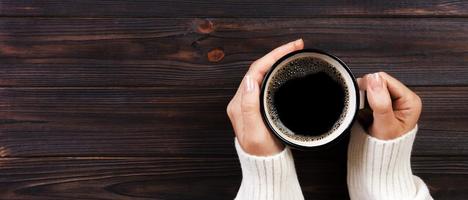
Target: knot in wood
{"x": 215, "y": 55}
{"x": 204, "y": 26}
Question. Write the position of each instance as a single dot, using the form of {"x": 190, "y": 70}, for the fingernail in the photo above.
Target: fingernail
{"x": 298, "y": 42}
{"x": 375, "y": 81}
{"x": 249, "y": 84}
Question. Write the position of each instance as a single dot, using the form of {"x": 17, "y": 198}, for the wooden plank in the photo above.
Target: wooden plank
{"x": 169, "y": 121}
{"x": 191, "y": 177}
{"x": 217, "y": 52}
{"x": 118, "y": 121}
{"x": 243, "y": 8}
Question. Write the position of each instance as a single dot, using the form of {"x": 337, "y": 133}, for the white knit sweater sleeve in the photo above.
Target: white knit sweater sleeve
{"x": 271, "y": 177}
{"x": 379, "y": 169}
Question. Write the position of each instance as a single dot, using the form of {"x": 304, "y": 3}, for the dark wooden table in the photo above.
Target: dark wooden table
{"x": 126, "y": 99}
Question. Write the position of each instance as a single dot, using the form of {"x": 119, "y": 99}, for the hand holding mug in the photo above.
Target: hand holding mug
{"x": 244, "y": 108}
{"x": 395, "y": 108}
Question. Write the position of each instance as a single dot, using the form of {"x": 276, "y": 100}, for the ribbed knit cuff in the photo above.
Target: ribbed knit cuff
{"x": 270, "y": 177}
{"x": 380, "y": 169}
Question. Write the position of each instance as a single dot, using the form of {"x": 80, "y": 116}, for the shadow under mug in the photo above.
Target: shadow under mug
{"x": 356, "y": 101}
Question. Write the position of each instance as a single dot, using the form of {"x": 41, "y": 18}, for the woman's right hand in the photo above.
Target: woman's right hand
{"x": 244, "y": 108}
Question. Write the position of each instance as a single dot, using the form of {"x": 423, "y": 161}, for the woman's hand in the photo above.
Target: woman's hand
{"x": 395, "y": 108}
{"x": 244, "y": 108}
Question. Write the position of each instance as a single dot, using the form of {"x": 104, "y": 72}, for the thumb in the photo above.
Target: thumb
{"x": 381, "y": 105}
{"x": 250, "y": 106}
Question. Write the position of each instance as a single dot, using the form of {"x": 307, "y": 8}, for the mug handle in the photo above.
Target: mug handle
{"x": 362, "y": 99}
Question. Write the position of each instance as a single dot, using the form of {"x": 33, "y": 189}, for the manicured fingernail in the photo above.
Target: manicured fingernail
{"x": 298, "y": 42}
{"x": 249, "y": 84}
{"x": 375, "y": 81}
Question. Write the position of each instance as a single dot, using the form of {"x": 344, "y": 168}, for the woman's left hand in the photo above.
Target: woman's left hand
{"x": 244, "y": 108}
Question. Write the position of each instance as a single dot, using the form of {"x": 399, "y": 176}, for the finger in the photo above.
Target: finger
{"x": 238, "y": 94}
{"x": 361, "y": 83}
{"x": 365, "y": 115}
{"x": 250, "y": 106}
{"x": 379, "y": 100}
{"x": 397, "y": 89}
{"x": 237, "y": 97}
{"x": 258, "y": 69}
{"x": 234, "y": 111}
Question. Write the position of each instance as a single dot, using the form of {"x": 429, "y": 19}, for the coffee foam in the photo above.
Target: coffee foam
{"x": 297, "y": 68}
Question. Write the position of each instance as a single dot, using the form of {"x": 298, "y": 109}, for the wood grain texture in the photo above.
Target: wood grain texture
{"x": 243, "y": 8}
{"x": 217, "y": 52}
{"x": 122, "y": 99}
{"x": 172, "y": 121}
{"x": 177, "y": 178}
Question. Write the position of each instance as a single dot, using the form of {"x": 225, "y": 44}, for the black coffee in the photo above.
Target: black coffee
{"x": 307, "y": 96}
{"x": 309, "y": 105}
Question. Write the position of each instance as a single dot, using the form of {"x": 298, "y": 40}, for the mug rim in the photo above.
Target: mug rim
{"x": 270, "y": 126}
